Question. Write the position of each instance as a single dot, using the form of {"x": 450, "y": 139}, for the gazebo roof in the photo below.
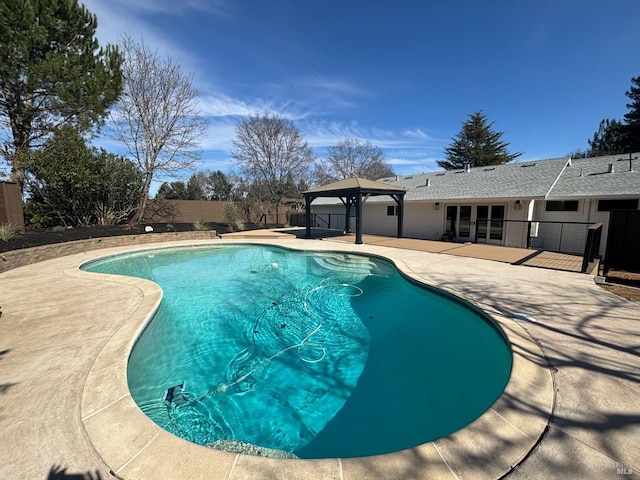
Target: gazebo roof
{"x": 353, "y": 192}
{"x": 352, "y": 186}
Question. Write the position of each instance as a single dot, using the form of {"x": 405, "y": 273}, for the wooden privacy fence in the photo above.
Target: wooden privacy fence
{"x": 189, "y": 211}
{"x": 11, "y": 205}
{"x": 623, "y": 242}
{"x": 184, "y": 211}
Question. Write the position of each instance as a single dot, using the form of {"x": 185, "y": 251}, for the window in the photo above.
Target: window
{"x": 561, "y": 205}
{"x": 392, "y": 210}
{"x": 608, "y": 205}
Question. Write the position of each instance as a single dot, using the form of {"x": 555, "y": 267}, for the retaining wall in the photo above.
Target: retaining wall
{"x": 27, "y": 256}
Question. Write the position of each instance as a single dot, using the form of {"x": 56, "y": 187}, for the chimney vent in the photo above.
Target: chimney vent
{"x": 611, "y": 168}
{"x": 467, "y": 167}
{"x": 428, "y": 182}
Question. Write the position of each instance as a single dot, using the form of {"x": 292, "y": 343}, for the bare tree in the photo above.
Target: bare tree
{"x": 157, "y": 118}
{"x": 353, "y": 158}
{"x": 272, "y": 155}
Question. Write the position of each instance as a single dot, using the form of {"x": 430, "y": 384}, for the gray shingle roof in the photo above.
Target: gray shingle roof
{"x": 555, "y": 178}
{"x": 590, "y": 177}
{"x": 514, "y": 180}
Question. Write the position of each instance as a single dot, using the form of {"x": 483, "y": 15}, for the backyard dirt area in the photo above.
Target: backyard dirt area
{"x": 623, "y": 284}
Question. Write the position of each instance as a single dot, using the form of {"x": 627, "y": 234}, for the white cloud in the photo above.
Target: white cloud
{"x": 170, "y": 7}
{"x": 222, "y": 105}
{"x": 407, "y": 151}
{"x": 126, "y": 17}
{"x": 329, "y": 91}
{"x": 404, "y": 166}
{"x": 420, "y": 134}
{"x": 320, "y": 133}
{"x": 329, "y": 84}
{"x": 321, "y": 94}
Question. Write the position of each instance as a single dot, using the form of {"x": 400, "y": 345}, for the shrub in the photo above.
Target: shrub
{"x": 8, "y": 231}
{"x": 58, "y": 229}
{"x": 39, "y": 215}
{"x": 230, "y": 213}
{"x": 201, "y": 226}
{"x": 169, "y": 228}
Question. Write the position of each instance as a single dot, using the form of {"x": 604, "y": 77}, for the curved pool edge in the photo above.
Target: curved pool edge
{"x": 493, "y": 444}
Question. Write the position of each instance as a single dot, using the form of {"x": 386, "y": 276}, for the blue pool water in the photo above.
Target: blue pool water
{"x": 318, "y": 354}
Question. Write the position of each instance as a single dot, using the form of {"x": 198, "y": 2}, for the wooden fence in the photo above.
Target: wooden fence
{"x": 189, "y": 211}
{"x": 11, "y": 205}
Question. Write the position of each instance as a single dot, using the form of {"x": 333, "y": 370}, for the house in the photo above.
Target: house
{"x": 546, "y": 204}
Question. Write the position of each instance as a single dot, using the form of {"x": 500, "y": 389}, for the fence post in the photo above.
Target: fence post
{"x": 593, "y": 244}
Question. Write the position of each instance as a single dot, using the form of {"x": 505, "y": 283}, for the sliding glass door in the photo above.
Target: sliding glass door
{"x": 490, "y": 223}
{"x": 476, "y": 223}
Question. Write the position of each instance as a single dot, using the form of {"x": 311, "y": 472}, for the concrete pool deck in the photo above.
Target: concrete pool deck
{"x": 65, "y": 408}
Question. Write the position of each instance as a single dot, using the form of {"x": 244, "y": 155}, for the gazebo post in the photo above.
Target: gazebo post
{"x": 348, "y": 201}
{"x": 307, "y": 215}
{"x": 359, "y": 218}
{"x": 400, "y": 201}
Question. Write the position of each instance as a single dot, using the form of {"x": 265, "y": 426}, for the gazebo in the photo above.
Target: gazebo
{"x": 353, "y": 192}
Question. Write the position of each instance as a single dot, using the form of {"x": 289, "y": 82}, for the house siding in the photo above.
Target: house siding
{"x": 423, "y": 221}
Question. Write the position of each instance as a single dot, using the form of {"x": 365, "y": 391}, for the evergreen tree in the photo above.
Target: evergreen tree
{"x": 218, "y": 186}
{"x": 578, "y": 154}
{"x": 632, "y": 118}
{"x": 608, "y": 140}
{"x": 615, "y": 136}
{"x": 78, "y": 184}
{"x": 52, "y": 72}
{"x": 172, "y": 191}
{"x": 196, "y": 186}
{"x": 200, "y": 186}
{"x": 476, "y": 145}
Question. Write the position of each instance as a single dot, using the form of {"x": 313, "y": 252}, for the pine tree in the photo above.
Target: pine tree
{"x": 619, "y": 136}
{"x": 632, "y": 118}
{"x": 476, "y": 145}
{"x": 608, "y": 140}
{"x": 52, "y": 72}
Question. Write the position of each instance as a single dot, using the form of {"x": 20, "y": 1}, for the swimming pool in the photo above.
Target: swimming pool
{"x": 322, "y": 355}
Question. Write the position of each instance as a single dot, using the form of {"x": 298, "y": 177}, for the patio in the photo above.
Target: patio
{"x": 53, "y": 339}
{"x": 498, "y": 253}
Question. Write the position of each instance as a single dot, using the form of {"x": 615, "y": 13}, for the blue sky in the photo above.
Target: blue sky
{"x": 403, "y": 75}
